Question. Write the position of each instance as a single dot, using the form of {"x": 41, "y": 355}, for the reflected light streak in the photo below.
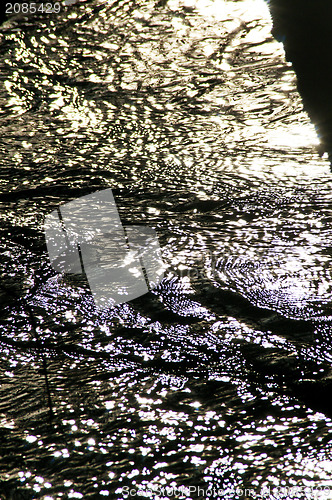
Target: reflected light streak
{"x": 294, "y": 136}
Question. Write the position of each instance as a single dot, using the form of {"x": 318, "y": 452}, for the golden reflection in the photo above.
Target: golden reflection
{"x": 293, "y": 136}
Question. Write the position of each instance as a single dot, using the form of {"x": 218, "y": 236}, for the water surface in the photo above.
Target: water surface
{"x": 220, "y": 377}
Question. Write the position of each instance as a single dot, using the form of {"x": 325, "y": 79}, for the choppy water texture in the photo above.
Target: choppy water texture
{"x": 220, "y": 377}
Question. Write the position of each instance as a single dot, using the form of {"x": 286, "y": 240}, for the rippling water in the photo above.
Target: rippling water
{"x": 219, "y": 378}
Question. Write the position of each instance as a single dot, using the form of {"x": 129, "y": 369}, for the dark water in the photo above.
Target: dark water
{"x": 220, "y": 377}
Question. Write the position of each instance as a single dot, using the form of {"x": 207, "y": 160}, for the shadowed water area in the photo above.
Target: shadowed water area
{"x": 220, "y": 377}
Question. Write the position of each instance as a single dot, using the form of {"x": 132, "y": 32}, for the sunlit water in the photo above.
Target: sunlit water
{"x": 219, "y": 378}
